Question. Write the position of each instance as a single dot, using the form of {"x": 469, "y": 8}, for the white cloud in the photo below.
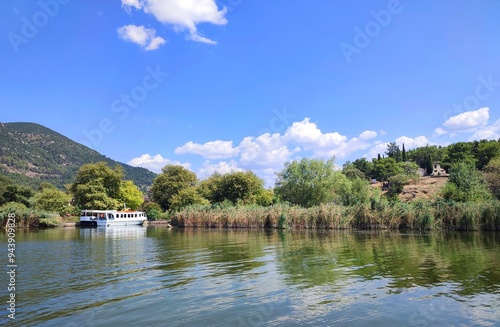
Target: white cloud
{"x": 468, "y": 119}
{"x": 366, "y": 135}
{"x": 182, "y": 14}
{"x": 156, "y": 163}
{"x": 310, "y": 136}
{"x": 210, "y": 150}
{"x": 487, "y": 132}
{"x": 145, "y": 37}
{"x": 127, "y": 4}
{"x": 266, "y": 151}
{"x": 440, "y": 131}
{"x": 378, "y": 148}
{"x": 222, "y": 167}
{"x": 412, "y": 143}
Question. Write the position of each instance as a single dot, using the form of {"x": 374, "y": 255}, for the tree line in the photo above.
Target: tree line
{"x": 474, "y": 169}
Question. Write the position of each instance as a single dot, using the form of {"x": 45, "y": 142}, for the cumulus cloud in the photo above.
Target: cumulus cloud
{"x": 468, "y": 119}
{"x": 488, "y": 132}
{"x": 210, "y": 150}
{"x": 182, "y": 14}
{"x": 412, "y": 143}
{"x": 366, "y": 135}
{"x": 265, "y": 150}
{"x": 156, "y": 163}
{"x": 221, "y": 167}
{"x": 310, "y": 136}
{"x": 145, "y": 37}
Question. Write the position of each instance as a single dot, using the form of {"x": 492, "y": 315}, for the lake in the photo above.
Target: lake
{"x": 154, "y": 276}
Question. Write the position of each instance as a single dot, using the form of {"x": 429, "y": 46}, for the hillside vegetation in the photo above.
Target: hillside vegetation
{"x": 31, "y": 153}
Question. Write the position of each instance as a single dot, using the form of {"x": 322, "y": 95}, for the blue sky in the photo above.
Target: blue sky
{"x": 239, "y": 84}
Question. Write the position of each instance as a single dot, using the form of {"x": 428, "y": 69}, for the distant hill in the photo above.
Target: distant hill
{"x": 31, "y": 153}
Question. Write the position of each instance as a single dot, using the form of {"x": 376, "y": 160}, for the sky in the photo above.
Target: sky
{"x": 237, "y": 85}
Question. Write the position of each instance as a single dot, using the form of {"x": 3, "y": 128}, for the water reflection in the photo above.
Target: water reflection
{"x": 191, "y": 277}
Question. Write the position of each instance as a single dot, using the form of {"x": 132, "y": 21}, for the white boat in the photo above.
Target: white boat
{"x": 108, "y": 218}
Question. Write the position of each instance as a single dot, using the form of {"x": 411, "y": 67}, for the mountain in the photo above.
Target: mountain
{"x": 31, "y": 153}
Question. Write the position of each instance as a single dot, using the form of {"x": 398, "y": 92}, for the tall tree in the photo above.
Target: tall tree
{"x": 169, "y": 183}
{"x": 130, "y": 195}
{"x": 403, "y": 154}
{"x": 393, "y": 151}
{"x": 307, "y": 182}
{"x": 97, "y": 186}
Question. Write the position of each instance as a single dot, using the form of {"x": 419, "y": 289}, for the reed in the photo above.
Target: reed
{"x": 418, "y": 215}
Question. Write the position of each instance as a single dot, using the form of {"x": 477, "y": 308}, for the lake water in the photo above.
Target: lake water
{"x": 153, "y": 276}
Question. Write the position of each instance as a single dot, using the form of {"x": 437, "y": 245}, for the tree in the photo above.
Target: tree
{"x": 307, "y": 182}
{"x": 456, "y": 153}
{"x": 97, "y": 186}
{"x": 385, "y": 168}
{"x": 403, "y": 154}
{"x": 492, "y": 176}
{"x": 130, "y": 195}
{"x": 393, "y": 151}
{"x": 484, "y": 151}
{"x": 364, "y": 165}
{"x": 186, "y": 197}
{"x": 53, "y": 200}
{"x": 16, "y": 193}
{"x": 169, "y": 183}
{"x": 236, "y": 187}
{"x": 465, "y": 184}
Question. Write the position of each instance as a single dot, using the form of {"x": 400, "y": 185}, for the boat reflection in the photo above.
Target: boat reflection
{"x": 114, "y": 232}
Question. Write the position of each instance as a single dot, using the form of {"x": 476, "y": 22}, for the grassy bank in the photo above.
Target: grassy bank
{"x": 421, "y": 215}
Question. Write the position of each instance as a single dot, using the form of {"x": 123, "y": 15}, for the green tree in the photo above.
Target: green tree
{"x": 170, "y": 182}
{"x": 130, "y": 195}
{"x": 393, "y": 151}
{"x": 153, "y": 210}
{"x": 484, "y": 151}
{"x": 265, "y": 197}
{"x": 236, "y": 187}
{"x": 97, "y": 186}
{"x": 458, "y": 152}
{"x": 186, "y": 197}
{"x": 492, "y": 176}
{"x": 53, "y": 200}
{"x": 352, "y": 191}
{"x": 385, "y": 168}
{"x": 16, "y": 193}
{"x": 403, "y": 154}
{"x": 465, "y": 184}
{"x": 307, "y": 182}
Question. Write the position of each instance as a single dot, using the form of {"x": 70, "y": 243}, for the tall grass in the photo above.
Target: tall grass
{"x": 28, "y": 217}
{"x": 418, "y": 215}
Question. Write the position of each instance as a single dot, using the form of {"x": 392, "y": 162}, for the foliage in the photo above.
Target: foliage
{"x": 460, "y": 152}
{"x": 465, "y": 184}
{"x": 153, "y": 210}
{"x": 265, "y": 197}
{"x": 130, "y": 195}
{"x": 53, "y": 200}
{"x": 484, "y": 151}
{"x": 16, "y": 193}
{"x": 169, "y": 183}
{"x": 97, "y": 186}
{"x": 307, "y": 182}
{"x": 393, "y": 151}
{"x": 397, "y": 183}
{"x": 492, "y": 176}
{"x": 385, "y": 168}
{"x": 353, "y": 191}
{"x": 186, "y": 197}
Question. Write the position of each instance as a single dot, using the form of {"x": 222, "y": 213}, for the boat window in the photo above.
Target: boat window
{"x": 135, "y": 215}
{"x": 129, "y": 215}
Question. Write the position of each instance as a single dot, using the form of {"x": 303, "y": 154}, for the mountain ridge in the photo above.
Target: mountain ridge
{"x": 31, "y": 153}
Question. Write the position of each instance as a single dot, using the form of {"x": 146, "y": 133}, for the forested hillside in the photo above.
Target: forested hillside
{"x": 31, "y": 153}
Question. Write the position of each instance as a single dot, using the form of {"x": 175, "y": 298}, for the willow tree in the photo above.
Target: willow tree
{"x": 307, "y": 182}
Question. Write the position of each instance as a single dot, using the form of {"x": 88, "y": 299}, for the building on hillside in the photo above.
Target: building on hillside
{"x": 438, "y": 171}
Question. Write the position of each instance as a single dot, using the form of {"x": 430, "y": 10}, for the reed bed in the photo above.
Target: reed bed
{"x": 418, "y": 215}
